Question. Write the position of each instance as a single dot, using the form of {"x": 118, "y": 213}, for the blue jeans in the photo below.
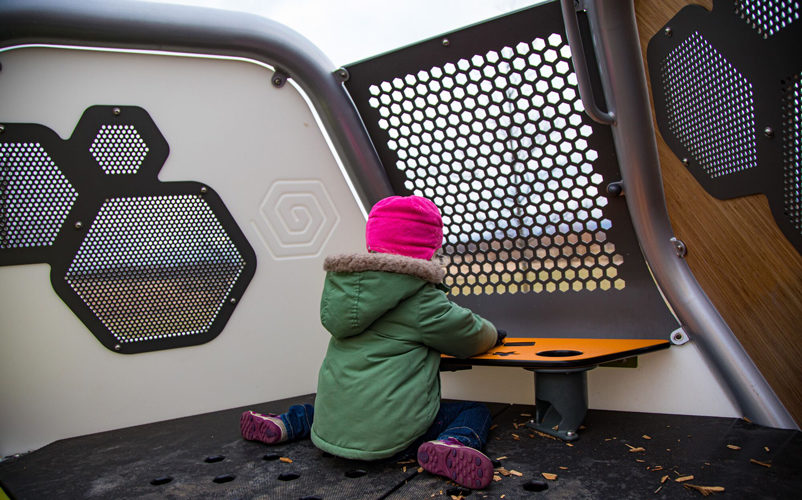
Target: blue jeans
{"x": 467, "y": 422}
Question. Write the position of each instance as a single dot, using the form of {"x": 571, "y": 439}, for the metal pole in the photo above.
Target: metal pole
{"x": 615, "y": 40}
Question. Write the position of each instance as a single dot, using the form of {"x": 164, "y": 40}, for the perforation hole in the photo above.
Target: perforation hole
{"x": 767, "y": 17}
{"x": 792, "y": 150}
{"x": 119, "y": 149}
{"x": 710, "y": 107}
{"x": 155, "y": 267}
{"x": 35, "y": 196}
{"x": 512, "y": 171}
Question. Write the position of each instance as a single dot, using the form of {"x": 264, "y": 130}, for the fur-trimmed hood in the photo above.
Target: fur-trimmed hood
{"x": 358, "y": 262}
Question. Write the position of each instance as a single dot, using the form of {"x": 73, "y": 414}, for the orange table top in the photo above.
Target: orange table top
{"x": 559, "y": 353}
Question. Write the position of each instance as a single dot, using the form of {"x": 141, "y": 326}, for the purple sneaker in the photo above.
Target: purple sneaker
{"x": 462, "y": 464}
{"x": 268, "y": 428}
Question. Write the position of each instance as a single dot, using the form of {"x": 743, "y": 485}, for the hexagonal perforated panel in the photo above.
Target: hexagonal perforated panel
{"x": 155, "y": 267}
{"x": 709, "y": 107}
{"x": 792, "y": 149}
{"x": 498, "y": 141}
{"x": 119, "y": 149}
{"x": 768, "y": 17}
{"x": 35, "y": 196}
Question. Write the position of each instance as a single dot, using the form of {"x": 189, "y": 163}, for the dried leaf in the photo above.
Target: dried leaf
{"x": 516, "y": 425}
{"x": 563, "y": 468}
{"x": 658, "y": 489}
{"x": 526, "y": 414}
{"x": 657, "y": 467}
{"x": 405, "y": 462}
{"x": 766, "y": 448}
{"x": 503, "y": 471}
{"x": 704, "y": 490}
{"x": 516, "y": 437}
{"x": 496, "y": 477}
{"x": 515, "y": 473}
{"x": 493, "y": 426}
{"x": 556, "y": 428}
{"x": 502, "y": 458}
{"x": 746, "y": 419}
{"x": 664, "y": 479}
{"x": 637, "y": 450}
{"x": 646, "y": 436}
{"x": 285, "y": 460}
{"x": 764, "y": 464}
{"x": 549, "y": 476}
{"x": 733, "y": 447}
{"x": 543, "y": 434}
{"x": 640, "y": 461}
{"x": 404, "y": 468}
{"x": 420, "y": 470}
{"x": 569, "y": 444}
{"x": 683, "y": 479}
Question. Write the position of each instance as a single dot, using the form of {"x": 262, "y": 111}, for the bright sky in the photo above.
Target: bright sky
{"x": 350, "y": 30}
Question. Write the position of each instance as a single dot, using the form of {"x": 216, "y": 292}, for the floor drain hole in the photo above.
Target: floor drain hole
{"x": 271, "y": 456}
{"x": 536, "y": 485}
{"x": 225, "y": 478}
{"x": 458, "y": 492}
{"x": 214, "y": 459}
{"x": 355, "y": 473}
{"x": 289, "y": 476}
{"x": 161, "y": 480}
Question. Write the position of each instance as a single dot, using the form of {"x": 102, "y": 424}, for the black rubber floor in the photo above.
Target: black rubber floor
{"x": 618, "y": 455}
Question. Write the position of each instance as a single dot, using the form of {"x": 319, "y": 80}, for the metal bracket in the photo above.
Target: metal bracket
{"x": 679, "y": 337}
{"x": 279, "y": 78}
{"x": 679, "y": 247}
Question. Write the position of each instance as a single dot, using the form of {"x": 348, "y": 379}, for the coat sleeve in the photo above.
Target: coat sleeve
{"x": 452, "y": 329}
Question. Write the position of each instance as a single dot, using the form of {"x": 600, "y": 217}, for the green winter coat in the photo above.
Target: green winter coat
{"x": 379, "y": 385}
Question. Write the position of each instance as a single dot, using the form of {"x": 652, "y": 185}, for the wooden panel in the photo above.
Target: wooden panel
{"x": 749, "y": 270}
{"x": 560, "y": 353}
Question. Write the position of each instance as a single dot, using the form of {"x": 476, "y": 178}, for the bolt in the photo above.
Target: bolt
{"x": 768, "y": 132}
{"x": 668, "y": 31}
{"x": 233, "y": 300}
{"x": 79, "y": 225}
{"x": 117, "y": 347}
{"x": 677, "y": 336}
{"x": 116, "y": 111}
{"x": 686, "y": 162}
{"x": 679, "y": 247}
{"x": 343, "y": 74}
{"x": 446, "y": 42}
{"x": 203, "y": 190}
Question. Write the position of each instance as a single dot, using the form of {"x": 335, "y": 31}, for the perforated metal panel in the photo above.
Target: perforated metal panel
{"x": 145, "y": 265}
{"x": 710, "y": 107}
{"x": 726, "y": 95}
{"x": 487, "y": 123}
{"x": 767, "y": 17}
{"x": 35, "y": 196}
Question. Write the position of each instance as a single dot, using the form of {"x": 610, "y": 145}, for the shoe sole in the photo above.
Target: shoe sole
{"x": 254, "y": 428}
{"x": 464, "y": 465}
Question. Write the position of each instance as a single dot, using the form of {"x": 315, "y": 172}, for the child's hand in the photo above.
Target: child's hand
{"x": 502, "y": 334}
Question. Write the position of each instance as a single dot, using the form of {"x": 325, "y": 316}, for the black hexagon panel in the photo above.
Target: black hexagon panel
{"x": 146, "y": 265}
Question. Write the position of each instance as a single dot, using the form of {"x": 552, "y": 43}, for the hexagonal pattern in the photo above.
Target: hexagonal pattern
{"x": 768, "y": 17}
{"x": 299, "y": 217}
{"x": 35, "y": 196}
{"x": 155, "y": 267}
{"x": 119, "y": 149}
{"x": 792, "y": 150}
{"x": 710, "y": 107}
{"x": 499, "y": 142}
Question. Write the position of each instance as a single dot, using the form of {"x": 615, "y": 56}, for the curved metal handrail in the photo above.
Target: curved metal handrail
{"x": 615, "y": 39}
{"x": 197, "y": 30}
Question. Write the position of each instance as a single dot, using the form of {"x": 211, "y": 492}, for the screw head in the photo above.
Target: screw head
{"x": 79, "y": 225}
{"x": 668, "y": 31}
{"x": 117, "y": 347}
{"x": 686, "y": 162}
{"x": 2, "y": 128}
{"x": 768, "y": 132}
{"x": 446, "y": 42}
{"x": 116, "y": 111}
{"x": 233, "y": 300}
{"x": 204, "y": 190}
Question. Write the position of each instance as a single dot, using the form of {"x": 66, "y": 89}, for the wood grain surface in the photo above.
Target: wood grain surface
{"x": 750, "y": 271}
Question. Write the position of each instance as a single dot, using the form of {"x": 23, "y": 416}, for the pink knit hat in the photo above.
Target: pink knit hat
{"x": 405, "y": 225}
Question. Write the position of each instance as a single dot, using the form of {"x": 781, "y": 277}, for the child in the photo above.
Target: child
{"x": 379, "y": 385}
